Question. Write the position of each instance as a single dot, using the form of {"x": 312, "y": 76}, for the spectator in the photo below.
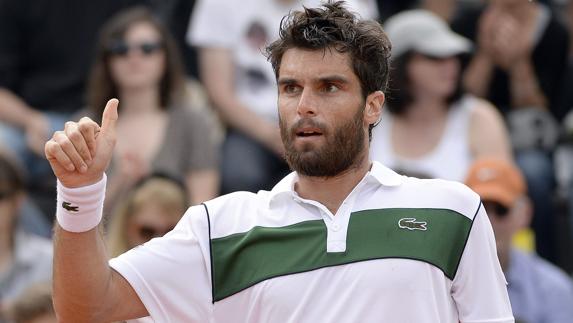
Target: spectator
{"x": 45, "y": 50}
{"x": 519, "y": 64}
{"x": 24, "y": 258}
{"x": 431, "y": 127}
{"x": 151, "y": 210}
{"x": 230, "y": 36}
{"x": 138, "y": 62}
{"x": 539, "y": 292}
{"x": 521, "y": 53}
{"x": 34, "y": 305}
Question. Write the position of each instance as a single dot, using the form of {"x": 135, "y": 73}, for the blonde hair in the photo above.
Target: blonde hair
{"x": 169, "y": 194}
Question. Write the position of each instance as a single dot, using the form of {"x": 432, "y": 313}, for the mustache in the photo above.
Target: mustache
{"x": 307, "y": 122}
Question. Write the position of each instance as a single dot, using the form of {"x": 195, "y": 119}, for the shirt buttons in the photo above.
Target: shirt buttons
{"x": 335, "y": 227}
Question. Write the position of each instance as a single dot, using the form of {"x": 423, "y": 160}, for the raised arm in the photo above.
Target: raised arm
{"x": 86, "y": 289}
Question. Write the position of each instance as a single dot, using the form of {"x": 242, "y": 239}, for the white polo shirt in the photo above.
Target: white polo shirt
{"x": 399, "y": 249}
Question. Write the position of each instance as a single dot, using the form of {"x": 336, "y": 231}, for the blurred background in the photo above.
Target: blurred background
{"x": 471, "y": 80}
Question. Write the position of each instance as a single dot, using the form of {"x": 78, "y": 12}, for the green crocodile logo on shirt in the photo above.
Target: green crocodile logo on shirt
{"x": 68, "y": 206}
{"x": 412, "y": 224}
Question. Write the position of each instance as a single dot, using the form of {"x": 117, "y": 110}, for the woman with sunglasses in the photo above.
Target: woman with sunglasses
{"x": 430, "y": 127}
{"x": 151, "y": 209}
{"x": 138, "y": 62}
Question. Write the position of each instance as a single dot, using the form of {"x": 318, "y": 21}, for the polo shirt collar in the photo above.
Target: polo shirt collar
{"x": 384, "y": 175}
{"x": 378, "y": 174}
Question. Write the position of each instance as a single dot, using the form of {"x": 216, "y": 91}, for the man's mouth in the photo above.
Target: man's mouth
{"x": 308, "y": 132}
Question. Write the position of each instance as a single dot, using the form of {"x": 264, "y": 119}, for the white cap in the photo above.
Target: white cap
{"x": 424, "y": 32}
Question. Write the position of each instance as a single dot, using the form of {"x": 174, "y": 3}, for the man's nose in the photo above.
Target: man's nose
{"x": 307, "y": 103}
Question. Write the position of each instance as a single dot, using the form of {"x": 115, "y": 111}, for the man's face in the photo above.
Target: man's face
{"x": 321, "y": 110}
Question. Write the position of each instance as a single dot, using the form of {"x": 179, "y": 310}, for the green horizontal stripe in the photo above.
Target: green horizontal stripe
{"x": 244, "y": 259}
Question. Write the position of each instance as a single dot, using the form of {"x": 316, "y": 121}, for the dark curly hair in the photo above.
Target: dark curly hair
{"x": 333, "y": 27}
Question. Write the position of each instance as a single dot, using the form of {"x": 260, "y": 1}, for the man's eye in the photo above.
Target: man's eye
{"x": 290, "y": 88}
{"x": 331, "y": 88}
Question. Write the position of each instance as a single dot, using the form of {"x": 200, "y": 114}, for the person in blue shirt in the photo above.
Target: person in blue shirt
{"x": 539, "y": 291}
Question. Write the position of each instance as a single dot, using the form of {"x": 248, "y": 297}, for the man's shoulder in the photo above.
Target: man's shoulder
{"x": 239, "y": 198}
{"x": 438, "y": 194}
{"x": 431, "y": 184}
{"x": 241, "y": 207}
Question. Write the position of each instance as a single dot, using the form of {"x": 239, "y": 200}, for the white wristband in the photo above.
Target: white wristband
{"x": 80, "y": 209}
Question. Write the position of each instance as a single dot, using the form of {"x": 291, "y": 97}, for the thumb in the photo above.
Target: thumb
{"x": 109, "y": 117}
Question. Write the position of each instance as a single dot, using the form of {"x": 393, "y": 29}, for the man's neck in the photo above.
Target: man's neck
{"x": 332, "y": 191}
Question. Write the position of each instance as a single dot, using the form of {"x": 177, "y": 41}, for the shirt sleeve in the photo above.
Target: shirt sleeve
{"x": 171, "y": 274}
{"x": 479, "y": 287}
{"x": 212, "y": 24}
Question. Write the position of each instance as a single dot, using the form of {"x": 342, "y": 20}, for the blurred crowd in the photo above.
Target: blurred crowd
{"x": 479, "y": 93}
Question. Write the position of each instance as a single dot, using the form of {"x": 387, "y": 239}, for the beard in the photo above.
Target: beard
{"x": 339, "y": 153}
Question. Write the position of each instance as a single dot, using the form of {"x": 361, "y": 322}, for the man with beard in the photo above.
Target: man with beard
{"x": 341, "y": 239}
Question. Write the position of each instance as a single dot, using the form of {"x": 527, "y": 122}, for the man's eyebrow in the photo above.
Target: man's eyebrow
{"x": 322, "y": 79}
{"x": 333, "y": 79}
{"x": 285, "y": 81}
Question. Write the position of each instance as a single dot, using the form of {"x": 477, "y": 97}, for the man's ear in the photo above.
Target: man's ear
{"x": 374, "y": 105}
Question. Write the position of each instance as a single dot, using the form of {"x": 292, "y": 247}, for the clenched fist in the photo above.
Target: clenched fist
{"x": 81, "y": 153}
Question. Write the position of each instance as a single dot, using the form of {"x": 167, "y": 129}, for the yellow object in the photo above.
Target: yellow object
{"x": 524, "y": 240}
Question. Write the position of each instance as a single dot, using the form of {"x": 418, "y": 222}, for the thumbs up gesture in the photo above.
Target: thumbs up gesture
{"x": 80, "y": 154}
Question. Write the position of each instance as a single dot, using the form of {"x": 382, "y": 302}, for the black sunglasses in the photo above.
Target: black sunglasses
{"x": 495, "y": 208}
{"x": 121, "y": 48}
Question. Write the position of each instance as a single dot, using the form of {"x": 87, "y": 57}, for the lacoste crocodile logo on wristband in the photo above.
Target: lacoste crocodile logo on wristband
{"x": 68, "y": 206}
{"x": 412, "y": 224}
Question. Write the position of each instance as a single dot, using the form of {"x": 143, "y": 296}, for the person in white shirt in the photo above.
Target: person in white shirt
{"x": 341, "y": 239}
{"x": 430, "y": 127}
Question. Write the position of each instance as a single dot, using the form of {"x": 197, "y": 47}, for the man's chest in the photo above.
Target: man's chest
{"x": 367, "y": 291}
